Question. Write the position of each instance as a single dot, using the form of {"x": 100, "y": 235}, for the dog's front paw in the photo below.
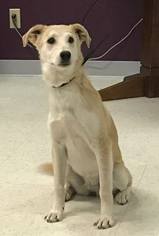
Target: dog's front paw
{"x": 104, "y": 222}
{"x": 53, "y": 217}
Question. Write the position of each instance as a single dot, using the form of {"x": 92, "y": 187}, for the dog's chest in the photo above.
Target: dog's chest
{"x": 75, "y": 122}
{"x": 70, "y": 113}
{"x": 80, "y": 156}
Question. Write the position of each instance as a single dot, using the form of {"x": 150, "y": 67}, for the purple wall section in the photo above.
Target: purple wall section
{"x": 113, "y": 18}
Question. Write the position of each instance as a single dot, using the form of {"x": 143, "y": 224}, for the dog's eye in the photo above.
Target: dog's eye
{"x": 51, "y": 40}
{"x": 71, "y": 40}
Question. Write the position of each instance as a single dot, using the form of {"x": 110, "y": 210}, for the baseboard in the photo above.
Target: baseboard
{"x": 101, "y": 68}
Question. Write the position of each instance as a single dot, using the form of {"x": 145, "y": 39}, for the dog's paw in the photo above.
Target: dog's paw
{"x": 104, "y": 222}
{"x": 122, "y": 197}
{"x": 69, "y": 193}
{"x": 53, "y": 217}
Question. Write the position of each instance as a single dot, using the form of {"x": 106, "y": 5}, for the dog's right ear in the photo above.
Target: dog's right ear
{"x": 33, "y": 35}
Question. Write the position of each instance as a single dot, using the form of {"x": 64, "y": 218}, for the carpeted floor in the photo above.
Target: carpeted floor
{"x": 25, "y": 177}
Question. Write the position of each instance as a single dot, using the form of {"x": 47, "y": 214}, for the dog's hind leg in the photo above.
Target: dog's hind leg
{"x": 74, "y": 184}
{"x": 70, "y": 192}
{"x": 122, "y": 182}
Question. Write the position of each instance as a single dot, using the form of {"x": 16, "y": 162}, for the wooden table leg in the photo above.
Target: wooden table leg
{"x": 146, "y": 83}
{"x": 129, "y": 88}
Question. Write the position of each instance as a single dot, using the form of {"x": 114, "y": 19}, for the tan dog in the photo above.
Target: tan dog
{"x": 85, "y": 147}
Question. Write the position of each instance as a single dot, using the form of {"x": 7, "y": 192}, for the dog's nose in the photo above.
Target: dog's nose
{"x": 65, "y": 56}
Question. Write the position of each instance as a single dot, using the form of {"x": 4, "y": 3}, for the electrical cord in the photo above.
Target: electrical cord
{"x": 119, "y": 42}
{"x": 88, "y": 56}
{"x": 18, "y": 32}
{"x": 88, "y": 11}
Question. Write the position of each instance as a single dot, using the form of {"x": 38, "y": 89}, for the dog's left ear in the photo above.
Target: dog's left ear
{"x": 82, "y": 34}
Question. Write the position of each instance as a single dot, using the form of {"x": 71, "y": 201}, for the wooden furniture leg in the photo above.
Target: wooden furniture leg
{"x": 146, "y": 83}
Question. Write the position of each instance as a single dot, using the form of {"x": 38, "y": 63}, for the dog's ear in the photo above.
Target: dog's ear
{"x": 82, "y": 34}
{"x": 33, "y": 35}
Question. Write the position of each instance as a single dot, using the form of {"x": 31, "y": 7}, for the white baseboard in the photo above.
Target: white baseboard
{"x": 99, "y": 68}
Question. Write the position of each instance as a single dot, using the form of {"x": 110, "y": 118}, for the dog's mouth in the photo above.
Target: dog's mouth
{"x": 64, "y": 64}
{"x": 61, "y": 64}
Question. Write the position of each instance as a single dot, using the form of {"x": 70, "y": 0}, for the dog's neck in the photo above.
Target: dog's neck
{"x": 64, "y": 84}
{"x": 59, "y": 78}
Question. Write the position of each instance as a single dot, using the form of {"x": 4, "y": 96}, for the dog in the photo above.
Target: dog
{"x": 85, "y": 151}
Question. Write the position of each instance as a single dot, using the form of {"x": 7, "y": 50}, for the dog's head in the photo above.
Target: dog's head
{"x": 59, "y": 46}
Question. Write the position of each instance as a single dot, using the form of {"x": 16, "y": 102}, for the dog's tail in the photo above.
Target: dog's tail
{"x": 46, "y": 168}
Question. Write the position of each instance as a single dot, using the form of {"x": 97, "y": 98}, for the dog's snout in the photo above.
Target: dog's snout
{"x": 65, "y": 56}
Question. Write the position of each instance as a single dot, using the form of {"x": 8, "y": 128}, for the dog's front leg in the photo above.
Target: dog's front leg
{"x": 59, "y": 162}
{"x": 105, "y": 167}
